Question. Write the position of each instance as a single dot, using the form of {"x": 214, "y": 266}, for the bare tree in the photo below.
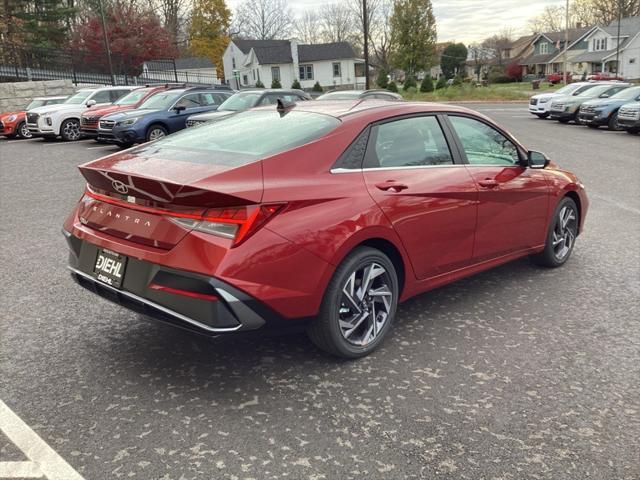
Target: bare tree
{"x": 499, "y": 43}
{"x": 306, "y": 27}
{"x": 173, "y": 14}
{"x": 552, "y": 19}
{"x": 337, "y": 22}
{"x": 264, "y": 19}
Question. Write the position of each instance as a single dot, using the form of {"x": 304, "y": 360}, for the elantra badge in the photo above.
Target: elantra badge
{"x": 119, "y": 187}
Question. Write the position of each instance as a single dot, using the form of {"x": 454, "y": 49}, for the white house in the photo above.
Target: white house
{"x": 333, "y": 65}
{"x": 189, "y": 70}
{"x": 602, "y": 45}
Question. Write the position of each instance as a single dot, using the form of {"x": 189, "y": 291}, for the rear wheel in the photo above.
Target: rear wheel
{"x": 70, "y": 130}
{"x": 23, "y": 131}
{"x": 613, "y": 122}
{"x": 561, "y": 236}
{"x": 359, "y": 305}
{"x": 156, "y": 132}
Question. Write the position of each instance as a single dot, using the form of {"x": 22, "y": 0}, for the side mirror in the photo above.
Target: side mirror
{"x": 179, "y": 108}
{"x": 536, "y": 159}
{"x": 91, "y": 103}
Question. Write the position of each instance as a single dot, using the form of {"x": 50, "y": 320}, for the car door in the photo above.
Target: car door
{"x": 429, "y": 199}
{"x": 187, "y": 105}
{"x": 513, "y": 199}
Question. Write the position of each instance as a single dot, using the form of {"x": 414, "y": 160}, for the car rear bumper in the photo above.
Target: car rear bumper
{"x": 192, "y": 301}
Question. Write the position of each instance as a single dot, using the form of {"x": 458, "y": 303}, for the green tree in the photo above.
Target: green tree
{"x": 296, "y": 84}
{"x": 413, "y": 35}
{"x": 275, "y": 83}
{"x": 427, "y": 84}
{"x": 383, "y": 79}
{"x": 441, "y": 83}
{"x": 409, "y": 81}
{"x": 392, "y": 87}
{"x": 453, "y": 59}
{"x": 210, "y": 21}
{"x": 317, "y": 87}
{"x": 43, "y": 23}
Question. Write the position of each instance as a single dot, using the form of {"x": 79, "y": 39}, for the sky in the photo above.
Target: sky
{"x": 464, "y": 20}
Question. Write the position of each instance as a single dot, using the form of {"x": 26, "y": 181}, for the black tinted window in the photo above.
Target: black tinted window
{"x": 410, "y": 142}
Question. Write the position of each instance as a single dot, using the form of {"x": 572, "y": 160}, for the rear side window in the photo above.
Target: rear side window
{"x": 409, "y": 142}
{"x": 225, "y": 142}
{"x": 189, "y": 101}
{"x": 209, "y": 98}
{"x": 102, "y": 97}
{"x": 483, "y": 144}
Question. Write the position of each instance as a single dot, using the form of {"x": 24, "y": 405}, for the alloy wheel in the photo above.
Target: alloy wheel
{"x": 72, "y": 130}
{"x": 24, "y": 131}
{"x": 564, "y": 233}
{"x": 156, "y": 133}
{"x": 365, "y": 305}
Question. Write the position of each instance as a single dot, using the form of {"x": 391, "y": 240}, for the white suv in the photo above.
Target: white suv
{"x": 540, "y": 104}
{"x": 63, "y": 119}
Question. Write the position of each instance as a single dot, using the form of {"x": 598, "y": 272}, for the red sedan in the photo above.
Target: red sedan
{"x": 320, "y": 215}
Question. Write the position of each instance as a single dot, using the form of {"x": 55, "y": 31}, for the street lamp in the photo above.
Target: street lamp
{"x": 365, "y": 26}
{"x": 106, "y": 42}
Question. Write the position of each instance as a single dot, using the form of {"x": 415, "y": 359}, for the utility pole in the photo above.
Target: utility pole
{"x": 566, "y": 44}
{"x": 365, "y": 22}
{"x": 618, "y": 39}
{"x": 106, "y": 43}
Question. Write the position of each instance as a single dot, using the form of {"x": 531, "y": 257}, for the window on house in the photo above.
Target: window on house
{"x": 245, "y": 80}
{"x": 599, "y": 44}
{"x": 632, "y": 60}
{"x": 337, "y": 71}
{"x": 233, "y": 62}
{"x": 275, "y": 73}
{"x": 306, "y": 72}
{"x": 544, "y": 48}
{"x": 359, "y": 69}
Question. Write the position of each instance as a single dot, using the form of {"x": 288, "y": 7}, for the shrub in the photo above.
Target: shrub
{"x": 500, "y": 79}
{"x": 457, "y": 81}
{"x": 317, "y": 87}
{"x": 392, "y": 87}
{"x": 514, "y": 71}
{"x": 259, "y": 84}
{"x": 383, "y": 79}
{"x": 427, "y": 84}
{"x": 442, "y": 82}
{"x": 275, "y": 83}
{"x": 296, "y": 84}
{"x": 409, "y": 82}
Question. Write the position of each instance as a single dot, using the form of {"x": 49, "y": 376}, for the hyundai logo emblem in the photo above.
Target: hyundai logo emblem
{"x": 119, "y": 187}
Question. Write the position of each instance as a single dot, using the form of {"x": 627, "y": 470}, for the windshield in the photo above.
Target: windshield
{"x": 582, "y": 89}
{"x": 34, "y": 104}
{"x": 132, "y": 98}
{"x": 595, "y": 91}
{"x": 225, "y": 142}
{"x": 568, "y": 89}
{"x": 79, "y": 97}
{"x": 627, "y": 94}
{"x": 241, "y": 101}
{"x": 161, "y": 100}
{"x": 340, "y": 95}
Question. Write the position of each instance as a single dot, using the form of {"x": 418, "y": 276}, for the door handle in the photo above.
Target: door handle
{"x": 488, "y": 183}
{"x": 391, "y": 185}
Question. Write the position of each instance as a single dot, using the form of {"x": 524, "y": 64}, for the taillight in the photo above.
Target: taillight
{"x": 236, "y": 223}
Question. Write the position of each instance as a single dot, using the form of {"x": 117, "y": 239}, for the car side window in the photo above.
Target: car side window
{"x": 483, "y": 144}
{"x": 409, "y": 142}
{"x": 189, "y": 101}
{"x": 102, "y": 97}
{"x": 116, "y": 95}
{"x": 210, "y": 99}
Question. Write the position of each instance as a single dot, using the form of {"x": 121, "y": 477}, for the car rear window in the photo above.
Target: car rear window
{"x": 242, "y": 138}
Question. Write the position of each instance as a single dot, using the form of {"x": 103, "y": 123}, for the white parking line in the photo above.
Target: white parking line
{"x": 101, "y": 146}
{"x": 43, "y": 460}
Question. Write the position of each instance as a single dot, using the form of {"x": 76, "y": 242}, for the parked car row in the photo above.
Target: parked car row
{"x": 613, "y": 104}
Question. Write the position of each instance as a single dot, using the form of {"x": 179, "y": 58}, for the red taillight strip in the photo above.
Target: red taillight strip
{"x": 184, "y": 293}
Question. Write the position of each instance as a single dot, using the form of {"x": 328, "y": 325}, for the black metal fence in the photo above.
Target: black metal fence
{"x": 24, "y": 63}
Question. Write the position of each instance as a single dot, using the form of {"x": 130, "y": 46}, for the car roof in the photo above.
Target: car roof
{"x": 50, "y": 98}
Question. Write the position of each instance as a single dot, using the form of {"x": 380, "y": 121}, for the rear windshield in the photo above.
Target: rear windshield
{"x": 241, "y": 101}
{"x": 596, "y": 91}
{"x": 340, "y": 95}
{"x": 241, "y": 138}
{"x": 132, "y": 98}
{"x": 627, "y": 94}
{"x": 34, "y": 104}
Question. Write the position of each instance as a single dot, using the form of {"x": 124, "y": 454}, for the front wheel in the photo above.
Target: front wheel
{"x": 359, "y": 305}
{"x": 561, "y": 236}
{"x": 613, "y": 122}
{"x": 70, "y": 130}
{"x": 23, "y": 131}
{"x": 633, "y": 130}
{"x": 156, "y": 132}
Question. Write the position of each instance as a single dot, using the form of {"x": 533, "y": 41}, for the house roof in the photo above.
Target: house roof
{"x": 279, "y": 51}
{"x": 592, "y": 56}
{"x": 180, "y": 64}
{"x": 574, "y": 34}
{"x": 535, "y": 59}
{"x": 629, "y": 28}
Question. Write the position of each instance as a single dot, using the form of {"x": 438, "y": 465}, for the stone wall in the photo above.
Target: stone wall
{"x": 16, "y": 95}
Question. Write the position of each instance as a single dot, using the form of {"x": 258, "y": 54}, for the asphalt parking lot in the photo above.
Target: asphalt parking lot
{"x": 516, "y": 373}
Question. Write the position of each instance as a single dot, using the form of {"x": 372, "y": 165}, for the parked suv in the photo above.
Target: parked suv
{"x": 248, "y": 99}
{"x": 604, "y": 111}
{"x": 64, "y": 119}
{"x": 90, "y": 119}
{"x": 564, "y": 109}
{"x": 14, "y": 124}
{"x": 161, "y": 114}
{"x": 540, "y": 104}
{"x": 629, "y": 117}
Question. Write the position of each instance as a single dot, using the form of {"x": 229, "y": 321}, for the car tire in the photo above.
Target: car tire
{"x": 70, "y": 130}
{"x": 561, "y": 236}
{"x": 155, "y": 132}
{"x": 591, "y": 125}
{"x": 542, "y": 115}
{"x": 563, "y": 120}
{"x": 633, "y": 131}
{"x": 613, "y": 122}
{"x": 23, "y": 131}
{"x": 353, "y": 329}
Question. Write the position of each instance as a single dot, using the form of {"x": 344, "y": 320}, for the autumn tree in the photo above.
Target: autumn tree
{"x": 134, "y": 35}
{"x": 208, "y": 31}
{"x": 413, "y": 35}
{"x": 453, "y": 59}
{"x": 264, "y": 19}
